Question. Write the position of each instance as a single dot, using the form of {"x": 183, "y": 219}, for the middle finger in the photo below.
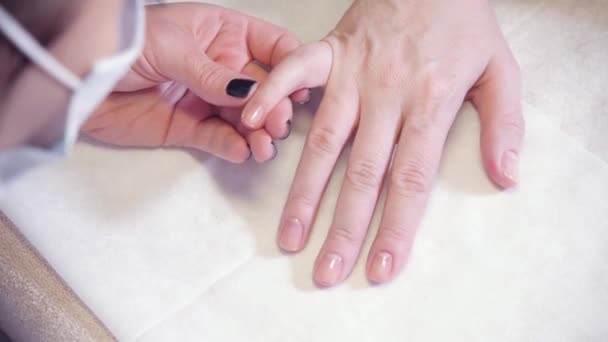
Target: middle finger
{"x": 368, "y": 162}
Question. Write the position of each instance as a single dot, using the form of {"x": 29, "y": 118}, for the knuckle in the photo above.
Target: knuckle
{"x": 432, "y": 93}
{"x": 514, "y": 122}
{"x": 412, "y": 179}
{"x": 348, "y": 236}
{"x": 301, "y": 201}
{"x": 337, "y": 38}
{"x": 395, "y": 233}
{"x": 365, "y": 174}
{"x": 435, "y": 89}
{"x": 208, "y": 73}
{"x": 421, "y": 125}
{"x": 323, "y": 141}
{"x": 389, "y": 76}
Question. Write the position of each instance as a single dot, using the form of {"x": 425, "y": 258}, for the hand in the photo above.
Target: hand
{"x": 396, "y": 73}
{"x": 188, "y": 87}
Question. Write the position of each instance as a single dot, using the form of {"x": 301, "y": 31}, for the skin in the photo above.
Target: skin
{"x": 174, "y": 95}
{"x": 396, "y": 72}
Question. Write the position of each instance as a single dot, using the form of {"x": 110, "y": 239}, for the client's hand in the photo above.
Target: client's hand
{"x": 396, "y": 72}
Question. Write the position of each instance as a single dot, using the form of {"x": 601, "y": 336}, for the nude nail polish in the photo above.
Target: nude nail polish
{"x": 329, "y": 270}
{"x": 509, "y": 165}
{"x": 292, "y": 232}
{"x": 251, "y": 118}
{"x": 381, "y": 268}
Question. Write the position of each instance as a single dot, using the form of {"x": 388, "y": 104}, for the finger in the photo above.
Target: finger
{"x": 210, "y": 134}
{"x": 268, "y": 43}
{"x": 211, "y": 81}
{"x": 260, "y": 142}
{"x": 363, "y": 181}
{"x": 411, "y": 179}
{"x": 301, "y": 96}
{"x": 221, "y": 139}
{"x": 278, "y": 123}
{"x": 262, "y": 146}
{"x": 307, "y": 67}
{"x": 335, "y": 119}
{"x": 498, "y": 100}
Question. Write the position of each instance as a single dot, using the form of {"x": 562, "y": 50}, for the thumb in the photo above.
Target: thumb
{"x": 211, "y": 81}
{"x": 498, "y": 101}
{"x": 307, "y": 67}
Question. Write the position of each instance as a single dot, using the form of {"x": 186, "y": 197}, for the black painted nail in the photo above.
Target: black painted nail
{"x": 275, "y": 151}
{"x": 250, "y": 152}
{"x": 240, "y": 87}
{"x": 288, "y": 123}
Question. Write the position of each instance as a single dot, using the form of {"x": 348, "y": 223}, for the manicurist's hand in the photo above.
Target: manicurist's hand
{"x": 199, "y": 66}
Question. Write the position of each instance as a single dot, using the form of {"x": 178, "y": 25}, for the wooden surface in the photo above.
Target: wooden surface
{"x": 35, "y": 304}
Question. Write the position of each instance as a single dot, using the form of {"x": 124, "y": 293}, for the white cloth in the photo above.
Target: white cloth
{"x": 163, "y": 245}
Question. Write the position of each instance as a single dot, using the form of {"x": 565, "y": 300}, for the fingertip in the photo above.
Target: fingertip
{"x": 328, "y": 270}
{"x": 380, "y": 267}
{"x": 291, "y": 235}
{"x": 253, "y": 116}
{"x": 262, "y": 147}
{"x": 278, "y": 121}
{"x": 504, "y": 169}
{"x": 301, "y": 96}
{"x": 237, "y": 151}
{"x": 510, "y": 168}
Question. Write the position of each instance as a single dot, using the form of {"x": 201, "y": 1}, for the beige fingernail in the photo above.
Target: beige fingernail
{"x": 291, "y": 235}
{"x": 329, "y": 270}
{"x": 381, "y": 268}
{"x": 251, "y": 119}
{"x": 510, "y": 162}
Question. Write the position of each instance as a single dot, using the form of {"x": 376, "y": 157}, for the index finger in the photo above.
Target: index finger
{"x": 333, "y": 124}
{"x": 308, "y": 67}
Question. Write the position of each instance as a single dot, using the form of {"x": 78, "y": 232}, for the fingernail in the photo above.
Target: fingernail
{"x": 381, "y": 268}
{"x": 307, "y": 99}
{"x": 329, "y": 270}
{"x": 288, "y": 124}
{"x": 291, "y": 235}
{"x": 275, "y": 151}
{"x": 240, "y": 87}
{"x": 510, "y": 162}
{"x": 251, "y": 118}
